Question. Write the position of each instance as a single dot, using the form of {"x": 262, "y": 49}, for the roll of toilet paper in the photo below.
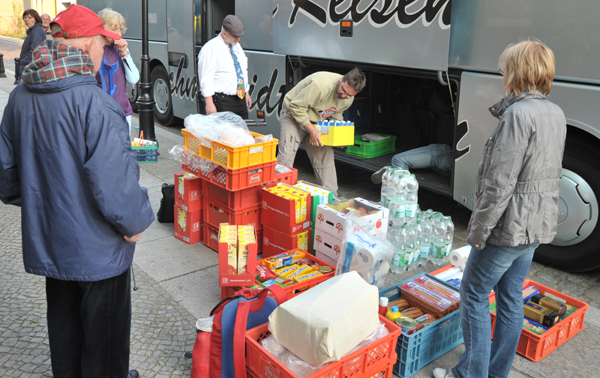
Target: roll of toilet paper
{"x": 363, "y": 263}
{"x": 459, "y": 256}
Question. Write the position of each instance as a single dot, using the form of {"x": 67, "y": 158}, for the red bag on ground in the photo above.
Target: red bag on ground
{"x": 221, "y": 351}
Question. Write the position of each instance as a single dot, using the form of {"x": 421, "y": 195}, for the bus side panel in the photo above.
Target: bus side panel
{"x": 481, "y": 30}
{"x": 156, "y": 51}
{"x": 409, "y": 34}
{"x": 182, "y": 58}
{"x": 475, "y": 123}
{"x": 257, "y": 17}
{"x": 267, "y": 73}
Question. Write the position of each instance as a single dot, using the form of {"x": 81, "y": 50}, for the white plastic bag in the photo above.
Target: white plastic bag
{"x": 224, "y": 127}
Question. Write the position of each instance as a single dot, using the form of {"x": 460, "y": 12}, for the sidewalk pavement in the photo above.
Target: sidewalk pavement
{"x": 178, "y": 283}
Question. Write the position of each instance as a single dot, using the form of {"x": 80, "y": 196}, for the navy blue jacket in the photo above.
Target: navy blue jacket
{"x": 35, "y": 36}
{"x": 65, "y": 158}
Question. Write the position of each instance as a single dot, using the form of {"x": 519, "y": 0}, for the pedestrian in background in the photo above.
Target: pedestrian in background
{"x": 117, "y": 67}
{"x": 223, "y": 71}
{"x": 75, "y": 177}
{"x": 516, "y": 210}
{"x": 46, "y": 25}
{"x": 35, "y": 36}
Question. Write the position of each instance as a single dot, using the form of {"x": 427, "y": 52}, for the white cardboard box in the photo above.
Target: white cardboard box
{"x": 333, "y": 220}
{"x": 325, "y": 258}
{"x": 327, "y": 244}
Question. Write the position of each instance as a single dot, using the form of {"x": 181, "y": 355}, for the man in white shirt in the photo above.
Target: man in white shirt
{"x": 223, "y": 71}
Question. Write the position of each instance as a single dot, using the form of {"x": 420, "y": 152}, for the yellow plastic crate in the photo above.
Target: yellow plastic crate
{"x": 339, "y": 136}
{"x": 232, "y": 157}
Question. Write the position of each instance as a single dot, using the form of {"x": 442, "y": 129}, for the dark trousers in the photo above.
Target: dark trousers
{"x": 89, "y": 325}
{"x": 228, "y": 103}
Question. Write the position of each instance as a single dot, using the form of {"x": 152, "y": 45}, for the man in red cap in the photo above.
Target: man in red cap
{"x": 74, "y": 176}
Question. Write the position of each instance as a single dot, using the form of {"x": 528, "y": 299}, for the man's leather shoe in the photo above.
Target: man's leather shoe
{"x": 133, "y": 374}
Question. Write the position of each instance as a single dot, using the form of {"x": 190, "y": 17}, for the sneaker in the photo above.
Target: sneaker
{"x": 442, "y": 373}
{"x": 376, "y": 177}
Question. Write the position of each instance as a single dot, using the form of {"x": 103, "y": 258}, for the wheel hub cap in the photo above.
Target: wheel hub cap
{"x": 577, "y": 210}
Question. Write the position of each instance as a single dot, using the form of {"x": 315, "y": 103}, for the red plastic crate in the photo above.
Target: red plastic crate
{"x": 237, "y": 199}
{"x": 216, "y": 213}
{"x": 235, "y": 179}
{"x": 373, "y": 360}
{"x": 290, "y": 178}
{"x": 211, "y": 239}
{"x": 297, "y": 288}
{"x": 534, "y": 346}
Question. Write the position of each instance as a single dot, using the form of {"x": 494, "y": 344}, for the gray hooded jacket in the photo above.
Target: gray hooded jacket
{"x": 518, "y": 177}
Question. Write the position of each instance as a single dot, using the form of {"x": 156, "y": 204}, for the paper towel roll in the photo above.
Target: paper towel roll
{"x": 363, "y": 264}
{"x": 459, "y": 256}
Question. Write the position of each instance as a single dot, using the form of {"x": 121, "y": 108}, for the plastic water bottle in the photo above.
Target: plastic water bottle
{"x": 425, "y": 241}
{"x": 439, "y": 243}
{"x": 418, "y": 232}
{"x": 448, "y": 236}
{"x": 399, "y": 250}
{"x": 398, "y": 205}
{"x": 386, "y": 186}
{"x": 411, "y": 249}
{"x": 427, "y": 213}
{"x": 412, "y": 189}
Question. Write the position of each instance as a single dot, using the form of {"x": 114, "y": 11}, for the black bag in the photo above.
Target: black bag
{"x": 165, "y": 213}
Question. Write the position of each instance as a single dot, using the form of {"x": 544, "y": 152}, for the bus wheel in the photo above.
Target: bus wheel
{"x": 576, "y": 247}
{"x": 163, "y": 109}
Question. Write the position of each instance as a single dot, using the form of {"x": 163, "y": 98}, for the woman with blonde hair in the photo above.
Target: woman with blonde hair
{"x": 516, "y": 210}
{"x": 117, "y": 68}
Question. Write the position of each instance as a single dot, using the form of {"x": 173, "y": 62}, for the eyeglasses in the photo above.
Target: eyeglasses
{"x": 344, "y": 91}
{"x": 501, "y": 71}
{"x": 118, "y": 30}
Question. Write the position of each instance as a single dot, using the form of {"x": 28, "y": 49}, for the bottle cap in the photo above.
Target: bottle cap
{"x": 383, "y": 301}
{"x": 394, "y": 308}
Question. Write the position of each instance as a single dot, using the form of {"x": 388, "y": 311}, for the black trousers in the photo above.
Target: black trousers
{"x": 89, "y": 325}
{"x": 232, "y": 104}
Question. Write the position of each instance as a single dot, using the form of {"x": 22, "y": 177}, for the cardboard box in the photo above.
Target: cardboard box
{"x": 333, "y": 218}
{"x": 280, "y": 214}
{"x": 276, "y": 242}
{"x": 226, "y": 277}
{"x": 327, "y": 244}
{"x": 188, "y": 225}
{"x": 188, "y": 191}
{"x": 326, "y": 258}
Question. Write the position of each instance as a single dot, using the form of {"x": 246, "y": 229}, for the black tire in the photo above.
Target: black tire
{"x": 161, "y": 91}
{"x": 583, "y": 252}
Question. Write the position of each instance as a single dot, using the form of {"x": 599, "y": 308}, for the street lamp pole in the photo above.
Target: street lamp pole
{"x": 145, "y": 99}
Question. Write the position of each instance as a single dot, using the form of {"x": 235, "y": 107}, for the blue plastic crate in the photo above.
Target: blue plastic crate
{"x": 417, "y": 350}
{"x": 147, "y": 154}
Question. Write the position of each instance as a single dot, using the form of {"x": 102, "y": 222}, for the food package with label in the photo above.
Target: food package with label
{"x": 326, "y": 322}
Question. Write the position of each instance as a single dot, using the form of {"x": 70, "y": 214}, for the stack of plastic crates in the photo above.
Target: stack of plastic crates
{"x": 232, "y": 191}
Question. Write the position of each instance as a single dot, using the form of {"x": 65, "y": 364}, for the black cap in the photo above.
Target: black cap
{"x": 233, "y": 25}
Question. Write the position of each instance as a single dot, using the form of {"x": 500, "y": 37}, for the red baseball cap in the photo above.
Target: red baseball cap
{"x": 78, "y": 21}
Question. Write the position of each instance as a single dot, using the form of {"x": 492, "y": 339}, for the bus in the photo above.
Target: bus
{"x": 432, "y": 73}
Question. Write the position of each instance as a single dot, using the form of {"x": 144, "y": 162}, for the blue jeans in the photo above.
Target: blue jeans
{"x": 503, "y": 269}
{"x": 436, "y": 156}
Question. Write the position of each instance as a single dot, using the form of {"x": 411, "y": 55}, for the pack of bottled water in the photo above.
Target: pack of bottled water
{"x": 417, "y": 236}
{"x": 325, "y": 125}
